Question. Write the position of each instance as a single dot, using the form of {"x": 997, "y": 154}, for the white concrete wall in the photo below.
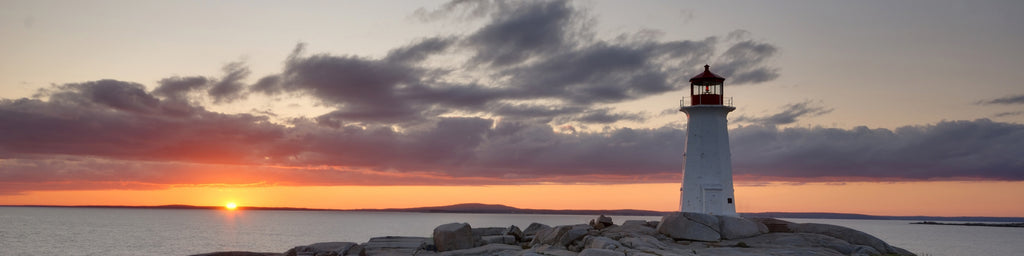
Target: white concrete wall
{"x": 707, "y": 162}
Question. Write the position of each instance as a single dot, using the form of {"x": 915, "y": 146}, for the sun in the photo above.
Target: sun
{"x": 231, "y": 206}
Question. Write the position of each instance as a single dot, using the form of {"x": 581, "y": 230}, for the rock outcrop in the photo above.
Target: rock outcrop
{"x": 683, "y": 234}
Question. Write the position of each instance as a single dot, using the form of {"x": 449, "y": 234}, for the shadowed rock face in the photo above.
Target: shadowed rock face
{"x": 690, "y": 226}
{"x": 684, "y": 234}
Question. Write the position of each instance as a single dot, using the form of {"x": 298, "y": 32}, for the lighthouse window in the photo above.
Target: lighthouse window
{"x": 729, "y": 200}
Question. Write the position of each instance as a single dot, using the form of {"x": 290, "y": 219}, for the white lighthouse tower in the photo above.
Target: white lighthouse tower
{"x": 707, "y": 164}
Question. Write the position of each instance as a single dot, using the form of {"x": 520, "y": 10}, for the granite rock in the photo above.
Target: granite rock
{"x": 453, "y": 236}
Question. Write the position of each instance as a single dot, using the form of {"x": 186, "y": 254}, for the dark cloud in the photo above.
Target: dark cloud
{"x": 744, "y": 63}
{"x": 398, "y": 119}
{"x": 361, "y": 88}
{"x": 123, "y": 96}
{"x": 979, "y": 149}
{"x": 178, "y": 87}
{"x": 538, "y": 113}
{"x": 789, "y": 114}
{"x": 603, "y": 116}
{"x": 268, "y": 85}
{"x": 459, "y": 9}
{"x": 597, "y": 74}
{"x": 88, "y": 143}
{"x": 525, "y": 52}
{"x": 1005, "y": 114}
{"x": 1008, "y": 100}
{"x": 520, "y": 30}
{"x": 420, "y": 51}
{"x": 110, "y": 118}
{"x": 230, "y": 87}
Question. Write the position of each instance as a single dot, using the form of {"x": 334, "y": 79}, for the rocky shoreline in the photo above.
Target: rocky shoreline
{"x": 676, "y": 234}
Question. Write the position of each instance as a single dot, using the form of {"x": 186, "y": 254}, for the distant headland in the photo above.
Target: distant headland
{"x": 1005, "y": 225}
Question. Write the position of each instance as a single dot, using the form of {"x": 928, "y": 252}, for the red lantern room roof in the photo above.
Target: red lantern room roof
{"x": 707, "y": 77}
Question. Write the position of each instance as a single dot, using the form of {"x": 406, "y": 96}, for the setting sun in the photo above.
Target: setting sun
{"x": 231, "y": 206}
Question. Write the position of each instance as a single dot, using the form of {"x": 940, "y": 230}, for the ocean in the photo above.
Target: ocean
{"x": 121, "y": 231}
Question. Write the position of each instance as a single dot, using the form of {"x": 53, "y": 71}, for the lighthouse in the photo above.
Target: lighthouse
{"x": 707, "y": 164}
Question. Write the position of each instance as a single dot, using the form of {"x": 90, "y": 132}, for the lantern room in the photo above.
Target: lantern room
{"x": 706, "y": 88}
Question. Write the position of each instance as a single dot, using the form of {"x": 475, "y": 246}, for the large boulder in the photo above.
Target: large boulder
{"x": 327, "y": 249}
{"x": 736, "y": 227}
{"x": 453, "y": 236}
{"x": 690, "y": 226}
{"x": 850, "y": 235}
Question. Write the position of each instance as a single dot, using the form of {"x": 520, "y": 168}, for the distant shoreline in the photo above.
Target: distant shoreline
{"x": 1004, "y": 225}
{"x": 502, "y": 209}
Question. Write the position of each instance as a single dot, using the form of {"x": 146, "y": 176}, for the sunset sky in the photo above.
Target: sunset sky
{"x": 875, "y": 107}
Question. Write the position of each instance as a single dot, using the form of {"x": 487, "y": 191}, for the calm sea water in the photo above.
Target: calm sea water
{"x": 96, "y": 231}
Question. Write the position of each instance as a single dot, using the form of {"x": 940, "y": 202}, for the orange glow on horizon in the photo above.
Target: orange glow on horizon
{"x": 231, "y": 206}
{"x": 933, "y": 198}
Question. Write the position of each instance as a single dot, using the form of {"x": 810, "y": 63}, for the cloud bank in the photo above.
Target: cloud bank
{"x": 478, "y": 108}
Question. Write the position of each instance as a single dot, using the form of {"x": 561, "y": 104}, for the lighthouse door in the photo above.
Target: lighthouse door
{"x": 712, "y": 198}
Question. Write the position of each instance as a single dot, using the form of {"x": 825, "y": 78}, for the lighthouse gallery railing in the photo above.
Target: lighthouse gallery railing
{"x": 685, "y": 102}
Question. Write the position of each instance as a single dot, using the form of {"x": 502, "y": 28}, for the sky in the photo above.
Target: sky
{"x": 875, "y": 107}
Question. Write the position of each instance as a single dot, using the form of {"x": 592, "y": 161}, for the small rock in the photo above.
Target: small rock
{"x": 607, "y": 221}
{"x": 514, "y": 231}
